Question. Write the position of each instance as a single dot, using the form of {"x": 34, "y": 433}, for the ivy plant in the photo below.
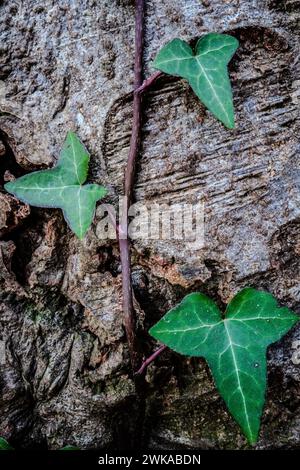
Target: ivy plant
{"x": 205, "y": 68}
{"x": 63, "y": 187}
{"x": 234, "y": 346}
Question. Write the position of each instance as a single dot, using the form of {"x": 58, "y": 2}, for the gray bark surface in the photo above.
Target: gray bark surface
{"x": 65, "y": 375}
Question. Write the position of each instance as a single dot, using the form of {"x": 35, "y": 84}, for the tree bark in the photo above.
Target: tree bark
{"x": 64, "y": 364}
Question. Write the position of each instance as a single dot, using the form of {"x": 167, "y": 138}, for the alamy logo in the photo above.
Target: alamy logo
{"x": 153, "y": 221}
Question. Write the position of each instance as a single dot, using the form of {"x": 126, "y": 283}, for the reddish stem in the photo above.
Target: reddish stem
{"x": 150, "y": 359}
{"x": 128, "y": 309}
{"x": 148, "y": 83}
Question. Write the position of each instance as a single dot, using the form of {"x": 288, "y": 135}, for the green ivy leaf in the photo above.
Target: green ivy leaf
{"x": 234, "y": 346}
{"x": 205, "y": 69}
{"x": 62, "y": 187}
{"x": 4, "y": 445}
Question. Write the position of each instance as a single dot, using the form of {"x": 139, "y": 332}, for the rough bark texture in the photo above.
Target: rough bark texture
{"x": 65, "y": 375}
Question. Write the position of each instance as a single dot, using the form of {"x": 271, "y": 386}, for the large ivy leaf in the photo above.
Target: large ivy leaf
{"x": 62, "y": 187}
{"x": 234, "y": 346}
{"x": 205, "y": 69}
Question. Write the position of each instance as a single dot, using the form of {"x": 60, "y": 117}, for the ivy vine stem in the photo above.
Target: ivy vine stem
{"x": 150, "y": 359}
{"x": 148, "y": 83}
{"x": 124, "y": 243}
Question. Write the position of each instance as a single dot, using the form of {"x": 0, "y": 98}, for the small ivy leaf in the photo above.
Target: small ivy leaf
{"x": 205, "y": 69}
{"x": 62, "y": 187}
{"x": 4, "y": 445}
{"x": 234, "y": 347}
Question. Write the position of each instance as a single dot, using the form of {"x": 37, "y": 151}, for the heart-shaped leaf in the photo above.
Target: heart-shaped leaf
{"x": 205, "y": 69}
{"x": 234, "y": 346}
{"x": 62, "y": 187}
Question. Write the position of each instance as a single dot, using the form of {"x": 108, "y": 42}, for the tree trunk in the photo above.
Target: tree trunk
{"x": 65, "y": 372}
